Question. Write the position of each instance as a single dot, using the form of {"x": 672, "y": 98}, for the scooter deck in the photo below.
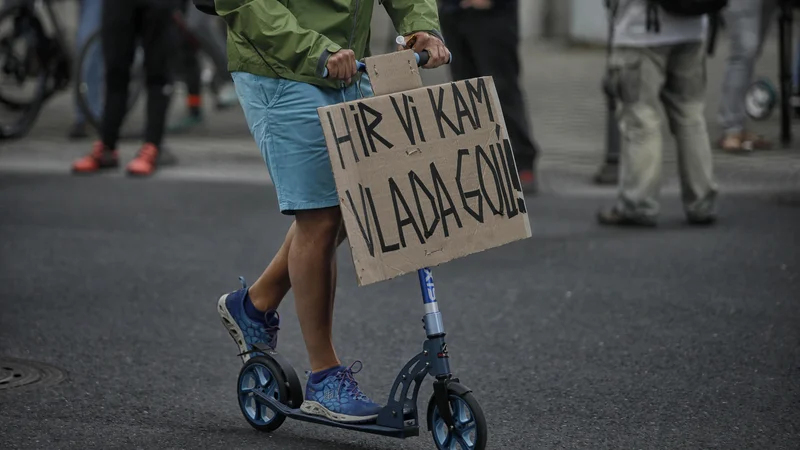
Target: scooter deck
{"x": 372, "y": 428}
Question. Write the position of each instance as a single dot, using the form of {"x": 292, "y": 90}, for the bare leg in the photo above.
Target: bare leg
{"x": 268, "y": 291}
{"x": 271, "y": 287}
{"x": 311, "y": 271}
{"x": 334, "y": 273}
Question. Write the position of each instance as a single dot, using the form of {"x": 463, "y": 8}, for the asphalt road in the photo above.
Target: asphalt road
{"x": 580, "y": 337}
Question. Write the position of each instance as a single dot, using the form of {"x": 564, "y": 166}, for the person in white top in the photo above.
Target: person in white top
{"x": 659, "y": 59}
{"x": 631, "y": 26}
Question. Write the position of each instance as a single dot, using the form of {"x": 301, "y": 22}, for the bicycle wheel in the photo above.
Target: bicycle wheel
{"x": 24, "y": 66}
{"x": 90, "y": 80}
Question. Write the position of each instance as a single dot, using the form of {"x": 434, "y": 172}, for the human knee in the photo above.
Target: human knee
{"x": 640, "y": 122}
{"x": 320, "y": 224}
{"x": 117, "y": 78}
{"x": 156, "y": 70}
{"x": 157, "y": 78}
{"x": 745, "y": 46}
{"x": 688, "y": 116}
{"x": 683, "y": 123}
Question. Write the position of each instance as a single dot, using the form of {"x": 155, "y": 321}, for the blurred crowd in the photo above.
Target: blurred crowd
{"x": 179, "y": 44}
{"x": 658, "y": 59}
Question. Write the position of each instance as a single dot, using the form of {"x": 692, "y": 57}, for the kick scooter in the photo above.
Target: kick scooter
{"x": 269, "y": 390}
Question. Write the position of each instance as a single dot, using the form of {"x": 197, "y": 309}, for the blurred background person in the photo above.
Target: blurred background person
{"x": 483, "y": 36}
{"x": 659, "y": 59}
{"x": 124, "y": 23}
{"x": 88, "y": 23}
{"x": 207, "y": 32}
{"x": 747, "y": 22}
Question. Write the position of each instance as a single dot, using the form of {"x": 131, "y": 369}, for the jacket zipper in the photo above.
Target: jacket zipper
{"x": 353, "y": 33}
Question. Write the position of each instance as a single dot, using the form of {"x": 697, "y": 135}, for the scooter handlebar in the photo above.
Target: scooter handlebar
{"x": 422, "y": 58}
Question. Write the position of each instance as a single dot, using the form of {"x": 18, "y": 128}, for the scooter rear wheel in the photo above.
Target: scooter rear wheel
{"x": 260, "y": 375}
{"x": 470, "y": 431}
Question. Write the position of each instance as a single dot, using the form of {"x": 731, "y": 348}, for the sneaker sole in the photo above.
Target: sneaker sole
{"x": 94, "y": 172}
{"x": 316, "y": 409}
{"x": 233, "y": 328}
{"x": 139, "y": 174}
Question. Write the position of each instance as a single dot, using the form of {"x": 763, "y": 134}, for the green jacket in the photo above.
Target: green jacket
{"x": 292, "y": 39}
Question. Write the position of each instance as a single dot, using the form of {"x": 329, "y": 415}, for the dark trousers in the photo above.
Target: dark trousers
{"x": 485, "y": 43}
{"x": 189, "y": 58}
{"x": 125, "y": 24}
{"x": 192, "y": 69}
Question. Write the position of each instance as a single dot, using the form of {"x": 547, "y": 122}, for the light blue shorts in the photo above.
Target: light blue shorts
{"x": 282, "y": 116}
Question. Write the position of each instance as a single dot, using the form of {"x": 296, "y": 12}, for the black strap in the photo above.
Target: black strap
{"x": 714, "y": 21}
{"x": 653, "y": 24}
{"x": 613, "y": 8}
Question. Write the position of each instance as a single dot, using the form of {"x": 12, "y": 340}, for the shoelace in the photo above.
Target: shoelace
{"x": 349, "y": 383}
{"x": 271, "y": 329}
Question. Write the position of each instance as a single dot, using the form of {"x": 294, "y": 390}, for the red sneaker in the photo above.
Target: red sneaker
{"x": 145, "y": 162}
{"x": 528, "y": 180}
{"x": 99, "y": 158}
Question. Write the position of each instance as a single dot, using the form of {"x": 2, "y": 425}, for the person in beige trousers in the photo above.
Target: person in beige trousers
{"x": 652, "y": 69}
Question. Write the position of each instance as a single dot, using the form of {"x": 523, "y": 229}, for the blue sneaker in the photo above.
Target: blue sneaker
{"x": 338, "y": 398}
{"x": 243, "y": 329}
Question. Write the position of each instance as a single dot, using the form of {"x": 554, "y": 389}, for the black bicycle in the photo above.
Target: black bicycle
{"x": 34, "y": 64}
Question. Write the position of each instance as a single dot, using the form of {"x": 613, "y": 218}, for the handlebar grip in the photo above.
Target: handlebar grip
{"x": 361, "y": 66}
{"x": 422, "y": 58}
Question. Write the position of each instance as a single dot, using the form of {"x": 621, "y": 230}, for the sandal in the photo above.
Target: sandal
{"x": 733, "y": 143}
{"x": 752, "y": 142}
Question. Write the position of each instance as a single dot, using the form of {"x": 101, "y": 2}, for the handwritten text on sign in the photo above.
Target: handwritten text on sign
{"x": 424, "y": 176}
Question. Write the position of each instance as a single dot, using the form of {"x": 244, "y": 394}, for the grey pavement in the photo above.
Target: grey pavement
{"x": 579, "y": 338}
{"x": 566, "y": 106}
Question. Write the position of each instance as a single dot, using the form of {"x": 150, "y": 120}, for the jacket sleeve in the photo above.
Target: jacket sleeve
{"x": 277, "y": 36}
{"x": 410, "y": 16}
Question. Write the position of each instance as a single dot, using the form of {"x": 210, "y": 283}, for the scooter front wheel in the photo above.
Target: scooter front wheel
{"x": 260, "y": 376}
{"x": 470, "y": 431}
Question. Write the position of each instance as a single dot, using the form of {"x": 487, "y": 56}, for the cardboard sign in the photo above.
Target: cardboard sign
{"x": 424, "y": 176}
{"x": 393, "y": 72}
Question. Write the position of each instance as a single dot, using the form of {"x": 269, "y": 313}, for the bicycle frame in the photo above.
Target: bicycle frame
{"x": 53, "y": 31}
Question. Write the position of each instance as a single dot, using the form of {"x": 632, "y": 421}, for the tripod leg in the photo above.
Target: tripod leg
{"x": 785, "y": 42}
{"x": 608, "y": 174}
